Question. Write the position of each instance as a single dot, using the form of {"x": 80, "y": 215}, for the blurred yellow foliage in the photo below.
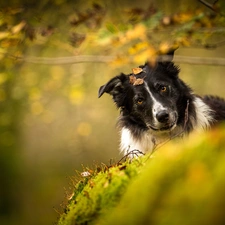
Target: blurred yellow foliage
{"x": 34, "y": 94}
{"x": 30, "y": 78}
{"x": 197, "y": 173}
{"x": 17, "y": 28}
{"x": 84, "y": 129}
{"x": 57, "y": 72}
{"x": 4, "y": 35}
{"x": 3, "y": 78}
{"x": 76, "y": 95}
{"x": 147, "y": 55}
{"x": 36, "y": 108}
{"x": 138, "y": 47}
{"x": 48, "y": 117}
{"x": 119, "y": 61}
{"x": 182, "y": 17}
{"x": 139, "y": 31}
{"x": 2, "y": 95}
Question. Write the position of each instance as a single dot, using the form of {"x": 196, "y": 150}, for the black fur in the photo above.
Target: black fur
{"x": 217, "y": 104}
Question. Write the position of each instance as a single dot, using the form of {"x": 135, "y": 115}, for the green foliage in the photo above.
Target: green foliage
{"x": 182, "y": 184}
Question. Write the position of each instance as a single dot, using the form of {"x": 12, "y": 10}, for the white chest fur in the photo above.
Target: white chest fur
{"x": 129, "y": 143}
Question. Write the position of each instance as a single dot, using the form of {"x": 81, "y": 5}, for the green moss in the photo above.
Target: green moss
{"x": 97, "y": 194}
{"x": 183, "y": 184}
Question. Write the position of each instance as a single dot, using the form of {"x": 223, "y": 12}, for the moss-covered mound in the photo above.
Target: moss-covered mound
{"x": 184, "y": 183}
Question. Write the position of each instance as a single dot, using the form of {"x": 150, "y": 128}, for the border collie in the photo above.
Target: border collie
{"x": 156, "y": 105}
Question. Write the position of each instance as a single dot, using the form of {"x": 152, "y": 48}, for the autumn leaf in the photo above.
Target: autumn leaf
{"x": 136, "y": 81}
{"x": 139, "y": 31}
{"x": 137, "y": 70}
{"x": 132, "y": 79}
{"x": 164, "y": 47}
{"x": 17, "y": 28}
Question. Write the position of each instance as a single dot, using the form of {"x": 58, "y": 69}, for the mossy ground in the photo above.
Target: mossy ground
{"x": 184, "y": 183}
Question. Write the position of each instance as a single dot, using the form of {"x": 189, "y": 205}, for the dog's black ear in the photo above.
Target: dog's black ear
{"x": 171, "y": 52}
{"x": 114, "y": 86}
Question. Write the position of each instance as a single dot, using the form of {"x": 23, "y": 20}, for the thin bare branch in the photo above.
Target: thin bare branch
{"x": 200, "y": 60}
{"x": 211, "y": 6}
{"x": 65, "y": 60}
{"x": 106, "y": 59}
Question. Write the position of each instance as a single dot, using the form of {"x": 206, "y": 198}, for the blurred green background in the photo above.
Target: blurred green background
{"x": 51, "y": 120}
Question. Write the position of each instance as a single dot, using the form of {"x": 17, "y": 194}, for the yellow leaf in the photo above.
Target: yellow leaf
{"x": 138, "y": 47}
{"x": 164, "y": 47}
{"x": 4, "y": 35}
{"x": 139, "y": 31}
{"x": 146, "y": 55}
{"x": 17, "y": 28}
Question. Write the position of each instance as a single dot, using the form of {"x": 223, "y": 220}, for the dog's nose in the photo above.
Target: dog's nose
{"x": 162, "y": 116}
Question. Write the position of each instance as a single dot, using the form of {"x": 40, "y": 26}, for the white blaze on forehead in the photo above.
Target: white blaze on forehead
{"x": 157, "y": 106}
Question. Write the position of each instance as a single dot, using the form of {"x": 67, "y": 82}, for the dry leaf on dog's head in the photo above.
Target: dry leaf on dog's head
{"x": 137, "y": 70}
{"x": 132, "y": 79}
{"x": 138, "y": 81}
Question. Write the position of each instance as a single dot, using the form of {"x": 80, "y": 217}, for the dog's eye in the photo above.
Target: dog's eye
{"x": 163, "y": 89}
{"x": 139, "y": 101}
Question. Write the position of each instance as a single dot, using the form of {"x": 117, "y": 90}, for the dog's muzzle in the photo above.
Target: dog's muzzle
{"x": 164, "y": 121}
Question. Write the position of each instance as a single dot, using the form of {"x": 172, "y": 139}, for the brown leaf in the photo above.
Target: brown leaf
{"x": 139, "y": 81}
{"x": 132, "y": 79}
{"x": 136, "y": 81}
{"x": 137, "y": 70}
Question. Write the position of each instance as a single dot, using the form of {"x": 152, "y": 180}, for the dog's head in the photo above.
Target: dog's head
{"x": 151, "y": 98}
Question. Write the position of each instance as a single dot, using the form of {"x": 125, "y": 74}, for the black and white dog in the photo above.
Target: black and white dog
{"x": 156, "y": 105}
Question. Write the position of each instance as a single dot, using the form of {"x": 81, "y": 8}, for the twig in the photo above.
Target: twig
{"x": 106, "y": 59}
{"x": 207, "y": 4}
{"x": 199, "y": 60}
{"x": 213, "y": 46}
{"x": 65, "y": 60}
{"x": 133, "y": 152}
{"x": 211, "y": 6}
{"x": 186, "y": 115}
